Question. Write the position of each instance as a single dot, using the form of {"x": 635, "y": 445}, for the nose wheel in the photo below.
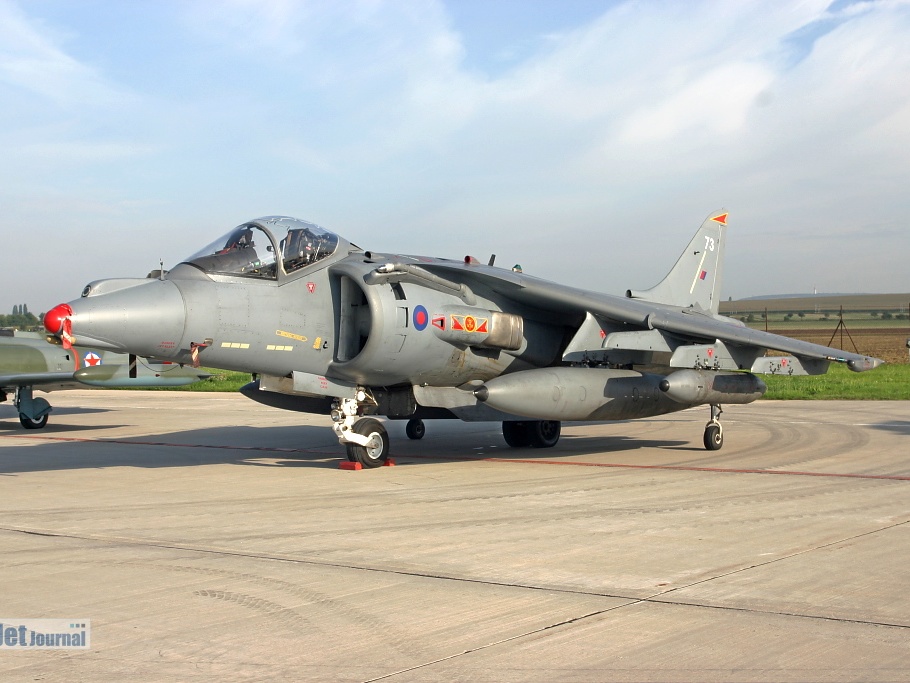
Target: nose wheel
{"x": 375, "y": 451}
{"x": 714, "y": 431}
{"x": 30, "y": 423}
{"x": 33, "y": 411}
{"x": 365, "y": 439}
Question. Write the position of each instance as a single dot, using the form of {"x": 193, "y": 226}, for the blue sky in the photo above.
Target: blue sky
{"x": 585, "y": 140}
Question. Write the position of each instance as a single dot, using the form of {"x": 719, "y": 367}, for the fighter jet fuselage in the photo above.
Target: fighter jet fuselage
{"x": 326, "y": 326}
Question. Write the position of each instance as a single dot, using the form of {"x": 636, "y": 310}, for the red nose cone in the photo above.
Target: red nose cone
{"x": 53, "y": 319}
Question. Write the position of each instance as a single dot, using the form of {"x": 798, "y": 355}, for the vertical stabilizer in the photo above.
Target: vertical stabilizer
{"x": 696, "y": 278}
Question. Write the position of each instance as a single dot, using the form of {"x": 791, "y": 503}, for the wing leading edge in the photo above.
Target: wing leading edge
{"x": 24, "y": 379}
{"x": 681, "y": 309}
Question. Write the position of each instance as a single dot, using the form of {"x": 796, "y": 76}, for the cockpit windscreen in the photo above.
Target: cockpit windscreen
{"x": 246, "y": 250}
{"x": 302, "y": 243}
{"x": 249, "y": 251}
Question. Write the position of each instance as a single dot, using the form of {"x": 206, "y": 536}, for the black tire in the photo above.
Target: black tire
{"x": 516, "y": 434}
{"x": 544, "y": 433}
{"x": 415, "y": 429}
{"x": 29, "y": 423}
{"x": 377, "y": 452}
{"x": 714, "y": 438}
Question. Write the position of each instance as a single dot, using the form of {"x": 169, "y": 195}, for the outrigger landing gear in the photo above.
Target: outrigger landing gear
{"x": 714, "y": 431}
{"x": 365, "y": 439}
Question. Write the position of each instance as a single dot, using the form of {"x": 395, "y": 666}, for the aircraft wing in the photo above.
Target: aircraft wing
{"x": 26, "y": 379}
{"x": 108, "y": 376}
{"x": 636, "y": 325}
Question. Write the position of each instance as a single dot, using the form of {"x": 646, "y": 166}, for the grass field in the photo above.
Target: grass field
{"x": 221, "y": 380}
{"x": 886, "y": 383}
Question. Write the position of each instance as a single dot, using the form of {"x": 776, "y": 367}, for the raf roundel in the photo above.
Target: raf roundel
{"x": 421, "y": 318}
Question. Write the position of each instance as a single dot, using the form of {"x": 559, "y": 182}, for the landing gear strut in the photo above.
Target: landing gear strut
{"x": 714, "y": 431}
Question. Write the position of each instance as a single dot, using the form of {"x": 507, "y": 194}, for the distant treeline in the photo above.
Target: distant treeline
{"x": 21, "y": 318}
{"x": 816, "y": 315}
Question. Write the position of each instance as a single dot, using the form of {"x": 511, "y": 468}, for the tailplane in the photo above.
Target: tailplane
{"x": 694, "y": 282}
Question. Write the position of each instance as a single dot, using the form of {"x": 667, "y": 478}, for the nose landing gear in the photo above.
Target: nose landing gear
{"x": 364, "y": 438}
{"x": 33, "y": 411}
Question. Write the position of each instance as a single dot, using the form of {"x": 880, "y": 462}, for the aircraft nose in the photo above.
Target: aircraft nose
{"x": 55, "y": 318}
{"x": 146, "y": 317}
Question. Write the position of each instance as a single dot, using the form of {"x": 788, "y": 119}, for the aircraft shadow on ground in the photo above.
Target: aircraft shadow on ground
{"x": 298, "y": 445}
{"x": 301, "y": 446}
{"x": 896, "y": 427}
{"x": 282, "y": 446}
{"x": 10, "y": 417}
{"x": 11, "y": 427}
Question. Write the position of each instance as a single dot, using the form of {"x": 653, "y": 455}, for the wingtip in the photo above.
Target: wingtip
{"x": 864, "y": 363}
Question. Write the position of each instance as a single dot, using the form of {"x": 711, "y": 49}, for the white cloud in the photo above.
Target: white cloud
{"x": 31, "y": 60}
{"x": 590, "y": 161}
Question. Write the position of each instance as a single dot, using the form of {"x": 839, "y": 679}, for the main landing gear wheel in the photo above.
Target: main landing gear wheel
{"x": 516, "y": 434}
{"x": 29, "y": 423}
{"x": 714, "y": 431}
{"x": 534, "y": 433}
{"x": 544, "y": 433}
{"x": 415, "y": 429}
{"x": 376, "y": 452}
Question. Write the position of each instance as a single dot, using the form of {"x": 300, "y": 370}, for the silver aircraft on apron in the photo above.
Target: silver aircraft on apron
{"x": 327, "y": 327}
{"x": 28, "y": 362}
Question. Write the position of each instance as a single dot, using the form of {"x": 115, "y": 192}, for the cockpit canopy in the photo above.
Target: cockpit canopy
{"x": 250, "y": 250}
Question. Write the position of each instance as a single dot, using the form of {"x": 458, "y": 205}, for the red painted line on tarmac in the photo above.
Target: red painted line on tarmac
{"x": 470, "y": 458}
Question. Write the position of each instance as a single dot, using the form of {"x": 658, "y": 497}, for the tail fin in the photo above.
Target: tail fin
{"x": 696, "y": 278}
